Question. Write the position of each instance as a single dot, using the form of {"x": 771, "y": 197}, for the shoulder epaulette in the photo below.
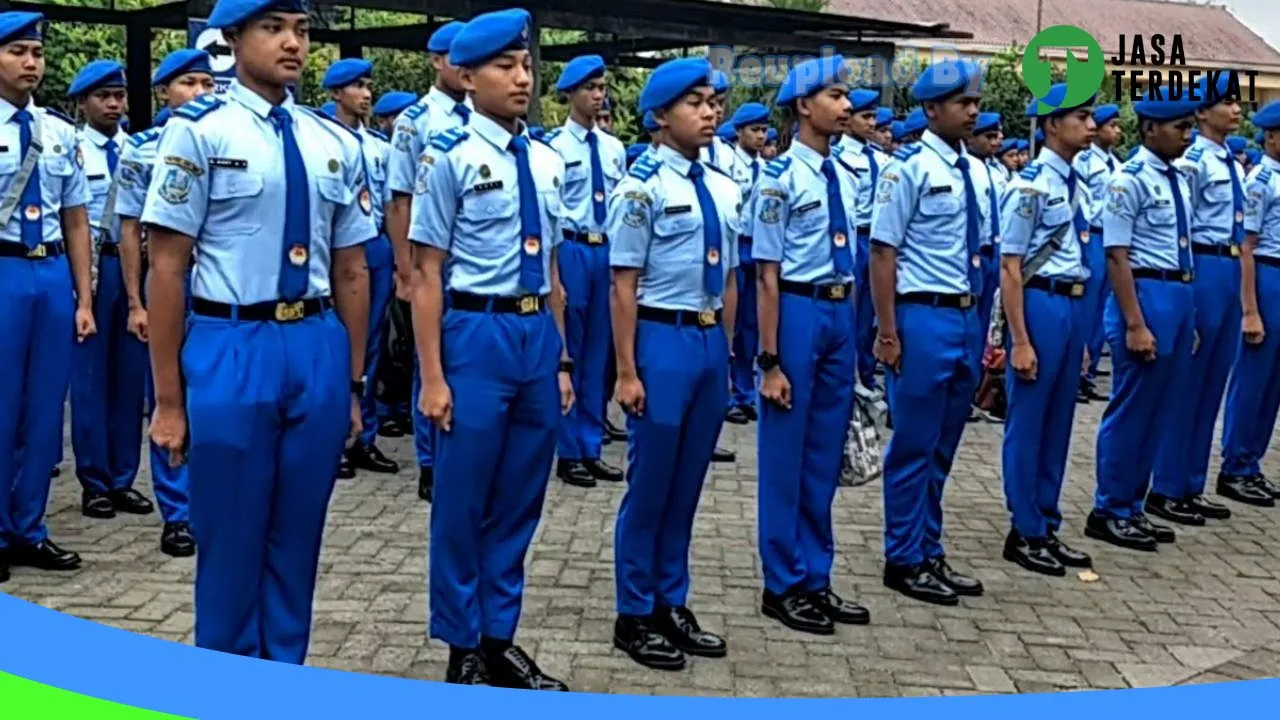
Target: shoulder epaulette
{"x": 144, "y": 137}
{"x": 1133, "y": 167}
{"x": 60, "y": 116}
{"x": 415, "y": 111}
{"x": 1031, "y": 172}
{"x": 1264, "y": 175}
{"x": 545, "y": 141}
{"x": 379, "y": 134}
{"x": 550, "y": 135}
{"x": 645, "y": 166}
{"x": 907, "y": 151}
{"x": 1195, "y": 153}
{"x": 199, "y": 107}
{"x": 446, "y": 140}
{"x": 777, "y": 166}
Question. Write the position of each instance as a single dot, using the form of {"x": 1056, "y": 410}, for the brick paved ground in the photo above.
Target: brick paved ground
{"x": 1204, "y": 610}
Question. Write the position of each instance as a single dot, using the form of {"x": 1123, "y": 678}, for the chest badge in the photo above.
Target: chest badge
{"x": 298, "y": 255}
{"x": 333, "y": 165}
{"x": 531, "y": 245}
{"x": 32, "y": 212}
{"x": 839, "y": 239}
{"x": 713, "y": 257}
{"x": 599, "y": 196}
{"x": 485, "y": 172}
{"x": 366, "y": 201}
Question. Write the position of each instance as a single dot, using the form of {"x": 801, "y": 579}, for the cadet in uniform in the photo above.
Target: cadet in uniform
{"x": 182, "y": 76}
{"x": 1150, "y": 321}
{"x": 350, "y": 81}
{"x": 770, "y": 149}
{"x": 272, "y": 198}
{"x": 802, "y": 227}
{"x": 388, "y": 108}
{"x": 985, "y": 141}
{"x": 1253, "y": 396}
{"x": 1044, "y": 268}
{"x": 913, "y": 126}
{"x": 108, "y": 376}
{"x": 719, "y": 152}
{"x": 674, "y": 226}
{"x": 1216, "y": 216}
{"x": 594, "y": 163}
{"x": 604, "y": 117}
{"x": 495, "y": 377}
{"x": 926, "y": 276}
{"x": 1007, "y": 156}
{"x": 1094, "y": 165}
{"x": 750, "y": 124}
{"x": 48, "y": 305}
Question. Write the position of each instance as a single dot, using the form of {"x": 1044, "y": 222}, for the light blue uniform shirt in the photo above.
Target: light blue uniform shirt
{"x": 467, "y": 202}
{"x": 220, "y": 178}
{"x": 571, "y": 142}
{"x": 1212, "y": 212}
{"x": 853, "y": 153}
{"x": 433, "y": 113}
{"x": 720, "y": 154}
{"x": 62, "y": 176}
{"x": 1000, "y": 175}
{"x": 1140, "y": 213}
{"x": 1095, "y": 166}
{"x": 376, "y": 152}
{"x": 920, "y": 211}
{"x": 1035, "y": 206}
{"x": 136, "y": 163}
{"x": 656, "y": 226}
{"x": 1262, "y": 206}
{"x": 93, "y": 145}
{"x": 791, "y": 220}
{"x": 746, "y": 172}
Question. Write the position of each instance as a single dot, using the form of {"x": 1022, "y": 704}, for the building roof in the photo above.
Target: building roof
{"x": 1209, "y": 32}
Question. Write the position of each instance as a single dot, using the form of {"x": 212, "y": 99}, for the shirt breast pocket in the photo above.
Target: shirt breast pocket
{"x": 678, "y": 237}
{"x": 1160, "y": 216}
{"x": 336, "y": 194}
{"x": 1217, "y": 192}
{"x": 576, "y": 173}
{"x": 1057, "y": 215}
{"x": 9, "y": 164}
{"x": 808, "y": 218}
{"x": 233, "y": 205}
{"x": 489, "y": 224}
{"x": 940, "y": 211}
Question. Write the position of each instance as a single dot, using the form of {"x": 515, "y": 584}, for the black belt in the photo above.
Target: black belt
{"x": 282, "y": 311}
{"x": 40, "y": 252}
{"x": 1068, "y": 288}
{"x": 834, "y": 292}
{"x": 1095, "y": 229}
{"x": 109, "y": 250}
{"x": 586, "y": 238}
{"x": 961, "y": 301}
{"x": 987, "y": 251}
{"x": 1231, "y": 251}
{"x": 1266, "y": 260}
{"x": 517, "y": 304}
{"x": 863, "y": 230}
{"x": 744, "y": 239}
{"x": 701, "y": 318}
{"x": 1169, "y": 275}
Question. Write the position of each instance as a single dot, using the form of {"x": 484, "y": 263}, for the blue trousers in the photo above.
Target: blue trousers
{"x": 268, "y": 411}
{"x": 171, "y": 485}
{"x": 1253, "y": 395}
{"x": 929, "y": 400}
{"x": 800, "y": 449}
{"x": 1094, "y": 302}
{"x": 1037, "y": 432}
{"x": 865, "y": 313}
{"x": 108, "y": 382}
{"x": 38, "y": 331}
{"x": 381, "y": 261}
{"x": 423, "y": 432}
{"x": 991, "y": 281}
{"x": 491, "y": 469}
{"x": 684, "y": 370}
{"x": 584, "y": 271}
{"x": 746, "y": 334}
{"x": 1142, "y": 410}
{"x": 1183, "y": 459}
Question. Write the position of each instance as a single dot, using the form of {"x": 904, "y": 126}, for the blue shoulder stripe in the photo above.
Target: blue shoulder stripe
{"x": 144, "y": 137}
{"x": 777, "y": 166}
{"x": 447, "y": 140}
{"x": 645, "y": 166}
{"x": 199, "y": 107}
{"x": 907, "y": 151}
{"x": 1264, "y": 175}
{"x": 415, "y": 110}
{"x": 1133, "y": 167}
{"x": 1031, "y": 172}
{"x": 1195, "y": 153}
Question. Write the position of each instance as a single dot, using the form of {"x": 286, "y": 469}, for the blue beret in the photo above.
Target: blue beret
{"x": 898, "y": 130}
{"x": 671, "y": 80}
{"x": 771, "y": 135}
{"x": 20, "y": 26}
{"x": 636, "y": 150}
{"x": 1237, "y": 143}
{"x": 1254, "y": 156}
{"x": 810, "y": 76}
{"x": 862, "y": 99}
{"x": 719, "y": 82}
{"x": 1008, "y": 145}
{"x": 752, "y": 113}
{"x": 1104, "y": 114}
{"x": 726, "y": 131}
{"x": 230, "y": 13}
{"x": 96, "y": 74}
{"x": 941, "y": 80}
{"x": 488, "y": 36}
{"x": 346, "y": 71}
{"x": 579, "y": 70}
{"x": 330, "y": 108}
{"x": 1023, "y": 145}
{"x": 987, "y": 122}
{"x": 884, "y": 116}
{"x": 916, "y": 122}
{"x": 1208, "y": 95}
{"x": 393, "y": 102}
{"x": 1268, "y": 118}
{"x": 181, "y": 62}
{"x": 442, "y": 38}
{"x": 1054, "y": 100}
{"x": 162, "y": 117}
{"x": 1162, "y": 110}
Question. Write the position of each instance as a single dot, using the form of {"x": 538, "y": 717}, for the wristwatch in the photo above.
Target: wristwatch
{"x": 566, "y": 366}
{"x": 767, "y": 361}
{"x": 357, "y": 387}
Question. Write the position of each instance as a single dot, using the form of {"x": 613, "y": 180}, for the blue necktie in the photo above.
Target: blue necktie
{"x": 1111, "y": 162}
{"x": 755, "y": 172}
{"x": 712, "y": 275}
{"x": 1184, "y": 247}
{"x": 113, "y": 157}
{"x": 995, "y": 204}
{"x": 841, "y": 255}
{"x": 531, "y": 273}
{"x": 464, "y": 111}
{"x": 971, "y": 227}
{"x": 32, "y": 209}
{"x": 1237, "y": 203}
{"x": 295, "y": 263}
{"x": 1078, "y": 223}
{"x": 597, "y": 179}
{"x": 711, "y": 150}
{"x": 875, "y": 167}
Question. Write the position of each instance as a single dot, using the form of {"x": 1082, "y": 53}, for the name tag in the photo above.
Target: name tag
{"x": 1162, "y": 202}
{"x": 4, "y": 148}
{"x": 938, "y": 190}
{"x": 575, "y": 163}
{"x": 229, "y": 163}
{"x": 677, "y": 209}
{"x": 487, "y": 186}
{"x": 1055, "y": 201}
{"x": 809, "y": 206}
{"x": 97, "y": 177}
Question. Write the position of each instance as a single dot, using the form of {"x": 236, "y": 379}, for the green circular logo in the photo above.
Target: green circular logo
{"x": 1084, "y": 77}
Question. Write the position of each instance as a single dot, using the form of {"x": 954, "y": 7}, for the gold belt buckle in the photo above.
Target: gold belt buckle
{"x": 836, "y": 292}
{"x": 1186, "y": 277}
{"x": 966, "y": 301}
{"x": 38, "y": 252}
{"x": 1235, "y": 251}
{"x": 706, "y": 318}
{"x": 1077, "y": 290}
{"x": 595, "y": 239}
{"x": 528, "y": 305}
{"x": 289, "y": 311}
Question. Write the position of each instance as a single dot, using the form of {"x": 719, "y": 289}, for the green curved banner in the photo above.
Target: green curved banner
{"x": 29, "y": 700}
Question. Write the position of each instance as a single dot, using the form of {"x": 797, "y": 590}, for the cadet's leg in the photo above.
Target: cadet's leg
{"x": 18, "y": 328}
{"x": 866, "y": 315}
{"x": 90, "y": 431}
{"x": 381, "y": 292}
{"x": 575, "y": 275}
{"x": 1241, "y": 418}
{"x": 1094, "y": 303}
{"x": 126, "y": 380}
{"x": 423, "y": 434}
{"x": 590, "y": 373}
{"x": 1065, "y": 346}
{"x": 170, "y": 484}
{"x": 745, "y": 338}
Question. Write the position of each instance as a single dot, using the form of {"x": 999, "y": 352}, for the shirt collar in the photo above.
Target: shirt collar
{"x": 747, "y": 157}
{"x": 1054, "y": 160}
{"x": 1219, "y": 151}
{"x": 8, "y": 109}
{"x": 256, "y": 102}
{"x": 442, "y": 100}
{"x": 940, "y": 146}
{"x": 851, "y": 144}
{"x": 92, "y": 134}
{"x": 807, "y": 155}
{"x": 1150, "y": 158}
{"x": 577, "y": 130}
{"x": 1271, "y": 163}
{"x": 492, "y": 131}
{"x": 674, "y": 160}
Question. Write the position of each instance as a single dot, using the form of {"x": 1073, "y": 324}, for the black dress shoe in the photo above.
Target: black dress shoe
{"x": 736, "y": 416}
{"x": 750, "y": 412}
{"x": 1175, "y": 511}
{"x": 722, "y": 455}
{"x": 1067, "y": 555}
{"x": 345, "y": 470}
{"x": 1032, "y": 554}
{"x": 45, "y": 556}
{"x": 467, "y": 669}
{"x": 513, "y": 668}
{"x": 55, "y": 472}
{"x": 603, "y": 471}
{"x": 1267, "y": 486}
{"x": 613, "y": 432}
{"x": 1162, "y": 533}
{"x": 1090, "y": 391}
{"x": 1244, "y": 490}
{"x": 131, "y": 501}
{"x": 391, "y": 428}
{"x": 838, "y": 609}
{"x": 959, "y": 584}
{"x": 1208, "y": 508}
{"x": 1119, "y": 532}
{"x": 919, "y": 583}
{"x": 176, "y": 540}
{"x": 371, "y": 459}
{"x": 4, "y": 567}
{"x": 97, "y": 506}
{"x": 681, "y": 628}
{"x": 575, "y": 473}
{"x": 636, "y": 636}
{"x": 426, "y": 482}
{"x": 796, "y": 610}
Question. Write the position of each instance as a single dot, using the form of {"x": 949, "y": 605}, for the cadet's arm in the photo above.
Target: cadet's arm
{"x": 1249, "y": 275}
{"x": 131, "y": 260}
{"x": 428, "y": 306}
{"x": 558, "y": 301}
{"x": 1121, "y": 275}
{"x": 351, "y": 296}
{"x": 1011, "y": 296}
{"x": 397, "y": 222}
{"x": 623, "y": 309}
{"x": 767, "y": 305}
{"x": 730, "y": 305}
{"x": 75, "y": 230}
{"x": 884, "y": 283}
{"x": 170, "y": 254}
